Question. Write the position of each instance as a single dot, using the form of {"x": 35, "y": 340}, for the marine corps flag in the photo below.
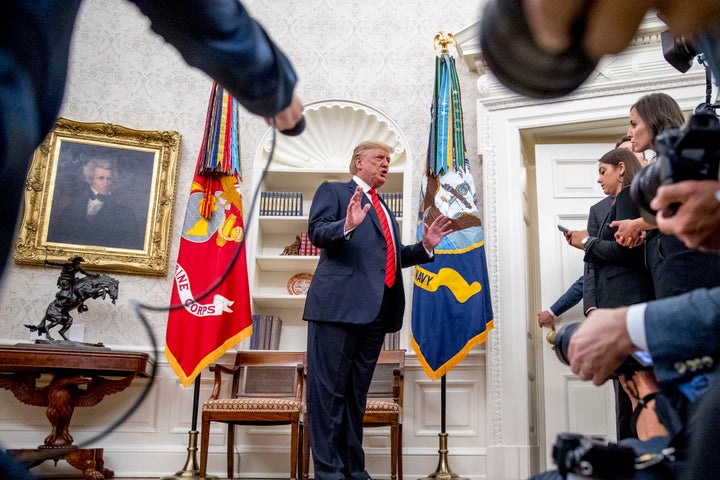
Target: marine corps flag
{"x": 452, "y": 310}
{"x": 201, "y": 331}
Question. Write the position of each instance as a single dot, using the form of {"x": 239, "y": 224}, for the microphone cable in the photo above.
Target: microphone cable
{"x": 138, "y": 307}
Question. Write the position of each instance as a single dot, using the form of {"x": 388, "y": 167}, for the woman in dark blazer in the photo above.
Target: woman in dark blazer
{"x": 620, "y": 274}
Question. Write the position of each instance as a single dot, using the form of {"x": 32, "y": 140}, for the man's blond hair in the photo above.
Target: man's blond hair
{"x": 363, "y": 147}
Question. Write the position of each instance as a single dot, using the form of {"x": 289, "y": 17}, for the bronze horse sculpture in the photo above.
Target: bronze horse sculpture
{"x": 73, "y": 295}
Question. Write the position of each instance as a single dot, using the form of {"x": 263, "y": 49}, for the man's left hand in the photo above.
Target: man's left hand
{"x": 435, "y": 232}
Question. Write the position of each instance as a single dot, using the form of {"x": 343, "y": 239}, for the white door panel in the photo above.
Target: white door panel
{"x": 566, "y": 189}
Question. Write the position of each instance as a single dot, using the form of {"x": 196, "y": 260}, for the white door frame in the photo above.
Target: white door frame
{"x": 506, "y": 143}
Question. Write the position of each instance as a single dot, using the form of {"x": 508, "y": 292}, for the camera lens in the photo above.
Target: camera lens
{"x": 562, "y": 341}
{"x": 644, "y": 187}
{"x": 520, "y": 64}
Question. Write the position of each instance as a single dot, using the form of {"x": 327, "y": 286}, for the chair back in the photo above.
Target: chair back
{"x": 269, "y": 374}
{"x": 387, "y": 380}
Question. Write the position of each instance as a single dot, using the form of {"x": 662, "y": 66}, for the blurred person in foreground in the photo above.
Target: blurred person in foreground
{"x": 219, "y": 37}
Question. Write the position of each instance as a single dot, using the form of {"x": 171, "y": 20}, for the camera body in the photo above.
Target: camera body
{"x": 592, "y": 457}
{"x": 633, "y": 363}
{"x": 691, "y": 152}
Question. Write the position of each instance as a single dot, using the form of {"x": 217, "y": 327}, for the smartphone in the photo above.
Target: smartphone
{"x": 563, "y": 229}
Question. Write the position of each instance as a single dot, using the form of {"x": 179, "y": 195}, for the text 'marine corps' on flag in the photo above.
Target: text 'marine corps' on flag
{"x": 452, "y": 309}
{"x": 213, "y": 229}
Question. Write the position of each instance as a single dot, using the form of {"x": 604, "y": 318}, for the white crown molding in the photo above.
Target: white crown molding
{"x": 640, "y": 67}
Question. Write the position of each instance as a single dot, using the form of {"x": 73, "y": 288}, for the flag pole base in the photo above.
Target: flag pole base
{"x": 442, "y": 471}
{"x": 190, "y": 470}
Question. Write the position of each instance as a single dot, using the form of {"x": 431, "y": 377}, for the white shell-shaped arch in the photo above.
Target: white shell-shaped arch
{"x": 333, "y": 128}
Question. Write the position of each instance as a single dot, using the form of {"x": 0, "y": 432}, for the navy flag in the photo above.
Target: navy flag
{"x": 452, "y": 309}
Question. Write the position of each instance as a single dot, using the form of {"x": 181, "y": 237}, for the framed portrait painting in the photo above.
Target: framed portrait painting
{"x": 103, "y": 192}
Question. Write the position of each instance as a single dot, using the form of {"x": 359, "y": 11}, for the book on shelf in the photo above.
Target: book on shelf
{"x": 281, "y": 203}
{"x": 266, "y": 331}
{"x": 392, "y": 341}
{"x": 394, "y": 201}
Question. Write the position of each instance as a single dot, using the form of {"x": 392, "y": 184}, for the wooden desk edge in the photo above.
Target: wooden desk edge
{"x": 33, "y": 357}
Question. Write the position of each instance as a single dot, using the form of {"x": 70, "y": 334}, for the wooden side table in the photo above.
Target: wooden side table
{"x": 78, "y": 380}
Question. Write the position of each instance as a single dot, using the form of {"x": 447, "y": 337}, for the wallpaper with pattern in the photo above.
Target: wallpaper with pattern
{"x": 378, "y": 52}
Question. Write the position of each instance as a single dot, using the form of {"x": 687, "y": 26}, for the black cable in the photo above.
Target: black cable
{"x": 138, "y": 307}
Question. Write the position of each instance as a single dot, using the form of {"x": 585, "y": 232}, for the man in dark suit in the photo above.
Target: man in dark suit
{"x": 94, "y": 217}
{"x": 355, "y": 298}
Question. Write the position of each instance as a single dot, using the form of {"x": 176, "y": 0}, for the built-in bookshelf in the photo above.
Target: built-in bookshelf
{"x": 300, "y": 166}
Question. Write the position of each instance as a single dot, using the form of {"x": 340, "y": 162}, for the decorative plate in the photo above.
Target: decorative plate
{"x": 299, "y": 283}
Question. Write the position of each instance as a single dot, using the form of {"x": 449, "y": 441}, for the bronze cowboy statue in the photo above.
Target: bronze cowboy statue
{"x": 72, "y": 294}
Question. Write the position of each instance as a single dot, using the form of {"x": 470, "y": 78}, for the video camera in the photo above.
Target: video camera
{"x": 691, "y": 152}
{"x": 639, "y": 360}
{"x": 592, "y": 457}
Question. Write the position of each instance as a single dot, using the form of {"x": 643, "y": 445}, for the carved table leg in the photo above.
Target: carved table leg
{"x": 90, "y": 462}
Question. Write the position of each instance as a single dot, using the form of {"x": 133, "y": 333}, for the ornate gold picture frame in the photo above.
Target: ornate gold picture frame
{"x": 130, "y": 231}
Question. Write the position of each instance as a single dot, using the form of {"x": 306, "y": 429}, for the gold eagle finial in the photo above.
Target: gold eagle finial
{"x": 443, "y": 39}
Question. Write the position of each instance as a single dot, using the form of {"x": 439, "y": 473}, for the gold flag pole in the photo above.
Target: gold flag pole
{"x": 191, "y": 469}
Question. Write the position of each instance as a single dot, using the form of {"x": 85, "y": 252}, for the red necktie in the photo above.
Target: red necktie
{"x": 390, "y": 258}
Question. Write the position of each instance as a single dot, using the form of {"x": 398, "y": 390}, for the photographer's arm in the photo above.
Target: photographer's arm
{"x": 683, "y": 333}
{"x": 697, "y": 220}
{"x": 678, "y": 348}
{"x": 223, "y": 40}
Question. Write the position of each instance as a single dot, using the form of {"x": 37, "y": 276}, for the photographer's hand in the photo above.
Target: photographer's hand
{"x": 288, "y": 118}
{"x": 697, "y": 220}
{"x": 610, "y": 24}
{"x": 552, "y": 21}
{"x": 600, "y": 345}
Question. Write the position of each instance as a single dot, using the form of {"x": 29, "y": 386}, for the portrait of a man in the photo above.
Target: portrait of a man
{"x": 101, "y": 196}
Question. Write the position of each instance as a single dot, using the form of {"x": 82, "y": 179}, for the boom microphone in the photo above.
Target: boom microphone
{"x": 296, "y": 130}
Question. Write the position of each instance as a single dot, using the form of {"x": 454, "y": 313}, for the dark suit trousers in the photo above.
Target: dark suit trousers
{"x": 341, "y": 362}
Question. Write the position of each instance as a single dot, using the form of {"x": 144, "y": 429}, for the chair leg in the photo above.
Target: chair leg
{"x": 301, "y": 435}
{"x": 393, "y": 451}
{"x": 204, "y": 442}
{"x": 294, "y": 439}
{"x": 400, "y": 452}
{"x": 305, "y": 451}
{"x": 230, "y": 450}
